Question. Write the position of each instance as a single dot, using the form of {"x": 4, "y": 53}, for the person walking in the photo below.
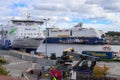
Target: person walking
{"x": 22, "y": 74}
{"x": 39, "y": 75}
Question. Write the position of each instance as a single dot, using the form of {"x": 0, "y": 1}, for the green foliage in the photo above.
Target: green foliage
{"x": 3, "y": 71}
{"x": 3, "y": 61}
{"x": 112, "y": 33}
{"x": 100, "y": 71}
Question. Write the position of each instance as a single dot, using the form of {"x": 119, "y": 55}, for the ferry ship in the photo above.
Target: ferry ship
{"x": 25, "y": 33}
{"x": 74, "y": 35}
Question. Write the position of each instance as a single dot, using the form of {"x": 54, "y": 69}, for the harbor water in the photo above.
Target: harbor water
{"x": 58, "y": 48}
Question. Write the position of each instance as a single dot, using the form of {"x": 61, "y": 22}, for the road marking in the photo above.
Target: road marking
{"x": 14, "y": 63}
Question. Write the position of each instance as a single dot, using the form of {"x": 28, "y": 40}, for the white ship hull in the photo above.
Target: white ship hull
{"x": 31, "y": 43}
{"x": 24, "y": 34}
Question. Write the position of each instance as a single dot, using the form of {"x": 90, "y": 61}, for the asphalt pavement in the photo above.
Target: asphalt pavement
{"x": 16, "y": 66}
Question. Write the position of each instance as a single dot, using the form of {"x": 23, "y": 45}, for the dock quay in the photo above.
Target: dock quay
{"x": 37, "y": 62}
{"x": 28, "y": 57}
{"x": 19, "y": 62}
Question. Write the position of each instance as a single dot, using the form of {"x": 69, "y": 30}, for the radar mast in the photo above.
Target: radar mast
{"x": 79, "y": 25}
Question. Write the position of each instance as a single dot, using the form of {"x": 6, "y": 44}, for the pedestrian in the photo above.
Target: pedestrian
{"x": 22, "y": 74}
{"x": 39, "y": 75}
{"x": 72, "y": 75}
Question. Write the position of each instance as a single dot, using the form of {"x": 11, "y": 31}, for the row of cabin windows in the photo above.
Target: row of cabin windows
{"x": 30, "y": 33}
{"x": 59, "y": 30}
{"x": 65, "y": 30}
{"x": 27, "y": 23}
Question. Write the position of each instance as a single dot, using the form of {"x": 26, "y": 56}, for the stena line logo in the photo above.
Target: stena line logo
{"x": 13, "y": 30}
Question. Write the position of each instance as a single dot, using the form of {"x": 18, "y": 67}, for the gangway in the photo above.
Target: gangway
{"x": 85, "y": 64}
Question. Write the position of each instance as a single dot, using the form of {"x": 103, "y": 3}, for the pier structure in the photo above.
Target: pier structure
{"x": 29, "y": 57}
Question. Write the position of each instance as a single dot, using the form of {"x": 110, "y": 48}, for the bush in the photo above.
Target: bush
{"x": 3, "y": 61}
{"x": 3, "y": 71}
{"x": 100, "y": 71}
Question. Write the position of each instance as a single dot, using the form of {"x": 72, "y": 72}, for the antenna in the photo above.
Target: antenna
{"x": 28, "y": 15}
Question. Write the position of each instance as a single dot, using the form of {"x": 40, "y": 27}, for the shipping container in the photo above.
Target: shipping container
{"x": 100, "y": 54}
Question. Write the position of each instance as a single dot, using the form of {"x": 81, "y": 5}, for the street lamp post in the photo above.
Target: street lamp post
{"x": 46, "y": 35}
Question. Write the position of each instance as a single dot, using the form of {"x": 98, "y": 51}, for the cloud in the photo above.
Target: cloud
{"x": 92, "y": 12}
{"x": 50, "y": 7}
{"x": 111, "y": 5}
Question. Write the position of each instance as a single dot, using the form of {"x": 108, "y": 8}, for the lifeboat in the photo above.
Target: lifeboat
{"x": 118, "y": 52}
{"x": 107, "y": 47}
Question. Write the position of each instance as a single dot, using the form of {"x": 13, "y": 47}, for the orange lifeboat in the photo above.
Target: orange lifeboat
{"x": 107, "y": 47}
{"x": 118, "y": 52}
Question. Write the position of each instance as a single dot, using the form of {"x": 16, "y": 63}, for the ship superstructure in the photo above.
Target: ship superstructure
{"x": 77, "y": 34}
{"x": 25, "y": 33}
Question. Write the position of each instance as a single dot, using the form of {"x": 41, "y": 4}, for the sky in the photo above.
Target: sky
{"x": 99, "y": 14}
